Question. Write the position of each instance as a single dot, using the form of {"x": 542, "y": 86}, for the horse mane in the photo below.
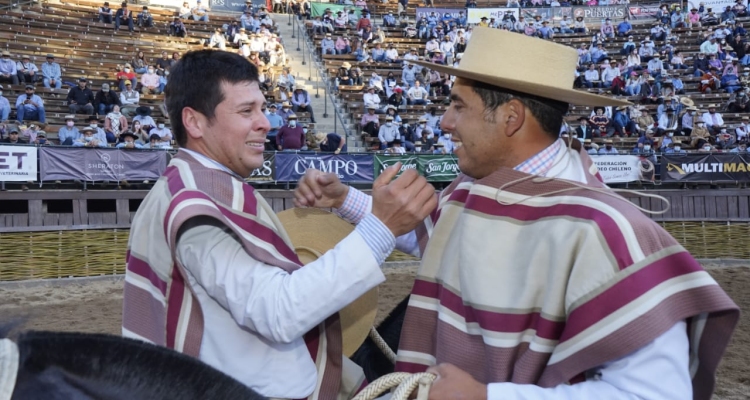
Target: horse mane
{"x": 61, "y": 365}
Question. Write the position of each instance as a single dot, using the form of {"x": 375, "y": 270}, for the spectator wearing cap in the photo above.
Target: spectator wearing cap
{"x": 200, "y": 12}
{"x": 608, "y": 148}
{"x": 105, "y": 100}
{"x": 41, "y": 138}
{"x": 388, "y": 133}
{"x": 145, "y": 19}
{"x": 124, "y": 75}
{"x": 124, "y": 16}
{"x": 177, "y": 28}
{"x": 4, "y": 106}
{"x": 89, "y": 139}
{"x": 276, "y": 122}
{"x": 301, "y": 102}
{"x": 8, "y": 71}
{"x": 26, "y": 70}
{"x": 291, "y": 136}
{"x": 68, "y": 134}
{"x": 327, "y": 45}
{"x": 129, "y": 141}
{"x": 105, "y": 13}
{"x": 81, "y": 99}
{"x": 99, "y": 133}
{"x": 13, "y": 137}
{"x": 330, "y": 142}
{"x": 30, "y": 107}
{"x": 129, "y": 99}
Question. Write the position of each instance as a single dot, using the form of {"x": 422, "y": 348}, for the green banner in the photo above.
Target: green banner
{"x": 318, "y": 9}
{"x": 439, "y": 168}
{"x": 436, "y": 168}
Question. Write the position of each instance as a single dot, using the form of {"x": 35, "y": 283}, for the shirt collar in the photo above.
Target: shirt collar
{"x": 541, "y": 162}
{"x": 210, "y": 163}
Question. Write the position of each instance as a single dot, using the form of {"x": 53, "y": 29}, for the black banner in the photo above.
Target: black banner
{"x": 705, "y": 167}
{"x": 267, "y": 172}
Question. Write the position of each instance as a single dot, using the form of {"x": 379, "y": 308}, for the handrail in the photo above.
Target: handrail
{"x": 322, "y": 76}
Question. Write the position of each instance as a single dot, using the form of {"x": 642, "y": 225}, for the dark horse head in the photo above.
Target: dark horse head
{"x": 369, "y": 356}
{"x": 79, "y": 366}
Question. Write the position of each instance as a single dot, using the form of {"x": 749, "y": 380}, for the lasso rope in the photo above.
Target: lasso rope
{"x": 382, "y": 345}
{"x": 404, "y": 382}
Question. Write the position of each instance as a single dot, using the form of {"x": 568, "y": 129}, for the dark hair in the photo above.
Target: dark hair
{"x": 549, "y": 113}
{"x": 191, "y": 86}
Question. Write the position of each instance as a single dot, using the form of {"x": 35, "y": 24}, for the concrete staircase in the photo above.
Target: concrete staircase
{"x": 311, "y": 76}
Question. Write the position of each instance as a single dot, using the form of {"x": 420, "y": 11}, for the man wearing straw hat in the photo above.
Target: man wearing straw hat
{"x": 213, "y": 274}
{"x": 537, "y": 281}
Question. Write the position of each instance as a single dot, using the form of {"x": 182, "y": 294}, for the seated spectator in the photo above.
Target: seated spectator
{"x": 389, "y": 20}
{"x": 114, "y": 124}
{"x": 105, "y": 13}
{"x": 579, "y": 26}
{"x": 327, "y": 45}
{"x": 164, "y": 63}
{"x": 342, "y": 45}
{"x": 145, "y": 19}
{"x": 217, "y": 40}
{"x": 150, "y": 82}
{"x": 377, "y": 54}
{"x": 142, "y": 133}
{"x": 417, "y": 95}
{"x": 689, "y": 119}
{"x": 8, "y": 71}
{"x": 87, "y": 139}
{"x": 713, "y": 120}
{"x": 143, "y": 115}
{"x": 99, "y": 133}
{"x": 184, "y": 12}
{"x": 4, "y": 106}
{"x": 608, "y": 148}
{"x": 276, "y": 122}
{"x": 371, "y": 99}
{"x": 330, "y": 143}
{"x": 165, "y": 134}
{"x": 105, "y": 100}
{"x": 129, "y": 99}
{"x": 591, "y": 77}
{"x": 13, "y": 137}
{"x": 291, "y": 136}
{"x": 124, "y": 16}
{"x": 600, "y": 122}
{"x": 68, "y": 134}
{"x": 391, "y": 55}
{"x": 388, "y": 133}
{"x": 27, "y": 71}
{"x": 693, "y": 19}
{"x": 200, "y": 12}
{"x": 177, "y": 28}
{"x": 30, "y": 107}
{"x": 129, "y": 141}
{"x": 709, "y": 81}
{"x": 370, "y": 123}
{"x": 126, "y": 75}
{"x": 301, "y": 101}
{"x": 81, "y": 99}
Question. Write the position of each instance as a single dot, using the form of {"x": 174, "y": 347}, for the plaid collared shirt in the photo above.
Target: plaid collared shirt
{"x": 541, "y": 162}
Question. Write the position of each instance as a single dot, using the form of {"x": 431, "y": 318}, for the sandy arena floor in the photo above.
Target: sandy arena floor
{"x": 95, "y": 306}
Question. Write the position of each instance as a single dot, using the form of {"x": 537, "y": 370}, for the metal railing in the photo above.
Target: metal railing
{"x": 321, "y": 76}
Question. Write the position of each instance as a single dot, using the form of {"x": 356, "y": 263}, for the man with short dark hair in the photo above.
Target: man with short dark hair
{"x": 537, "y": 281}
{"x": 124, "y": 16}
{"x": 51, "y": 73}
{"x": 8, "y": 70}
{"x": 145, "y": 19}
{"x": 105, "y": 100}
{"x": 205, "y": 234}
{"x": 30, "y": 107}
{"x": 81, "y": 98}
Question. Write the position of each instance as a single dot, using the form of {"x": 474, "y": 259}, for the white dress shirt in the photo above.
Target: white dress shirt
{"x": 255, "y": 314}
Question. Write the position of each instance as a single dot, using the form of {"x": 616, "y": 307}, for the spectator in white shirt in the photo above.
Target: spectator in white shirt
{"x": 417, "y": 95}
{"x": 610, "y": 73}
{"x": 591, "y": 77}
{"x": 371, "y": 99}
{"x": 714, "y": 121}
{"x": 129, "y": 99}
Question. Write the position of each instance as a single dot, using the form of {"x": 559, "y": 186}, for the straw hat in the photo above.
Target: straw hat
{"x": 304, "y": 227}
{"x": 346, "y": 65}
{"x": 686, "y": 101}
{"x": 544, "y": 70}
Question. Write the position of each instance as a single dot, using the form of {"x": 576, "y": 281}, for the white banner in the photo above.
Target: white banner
{"x": 475, "y": 14}
{"x": 717, "y": 6}
{"x": 622, "y": 168}
{"x": 18, "y": 163}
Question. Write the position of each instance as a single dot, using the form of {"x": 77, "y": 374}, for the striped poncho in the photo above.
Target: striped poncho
{"x": 518, "y": 285}
{"x": 159, "y": 305}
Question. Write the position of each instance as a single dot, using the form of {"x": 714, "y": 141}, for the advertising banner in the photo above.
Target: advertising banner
{"x": 318, "y": 9}
{"x": 550, "y": 14}
{"x": 436, "y": 168}
{"x": 475, "y": 14}
{"x": 18, "y": 163}
{"x": 644, "y": 11}
{"x": 717, "y": 6}
{"x": 597, "y": 14}
{"x": 266, "y": 173}
{"x": 705, "y": 167}
{"x": 423, "y": 12}
{"x": 624, "y": 168}
{"x": 349, "y": 167}
{"x": 105, "y": 164}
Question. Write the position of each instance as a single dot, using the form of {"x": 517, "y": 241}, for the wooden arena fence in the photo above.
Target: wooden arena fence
{"x": 77, "y": 253}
